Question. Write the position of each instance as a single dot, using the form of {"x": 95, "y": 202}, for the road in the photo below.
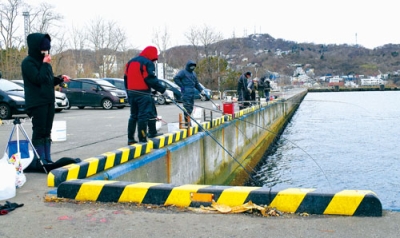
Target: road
{"x": 91, "y": 132}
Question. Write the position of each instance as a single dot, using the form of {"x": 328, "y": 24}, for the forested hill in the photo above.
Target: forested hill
{"x": 268, "y": 53}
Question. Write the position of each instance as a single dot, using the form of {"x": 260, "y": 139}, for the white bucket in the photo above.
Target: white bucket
{"x": 59, "y": 131}
{"x": 197, "y": 112}
{"x": 159, "y": 123}
{"x": 263, "y": 100}
{"x": 8, "y": 176}
{"x": 229, "y": 98}
{"x": 173, "y": 127}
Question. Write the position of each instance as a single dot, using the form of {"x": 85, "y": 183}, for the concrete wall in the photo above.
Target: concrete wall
{"x": 225, "y": 154}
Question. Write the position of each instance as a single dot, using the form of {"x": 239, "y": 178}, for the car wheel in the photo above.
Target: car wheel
{"x": 107, "y": 104}
{"x": 81, "y": 107}
{"x": 5, "y": 112}
{"x": 161, "y": 100}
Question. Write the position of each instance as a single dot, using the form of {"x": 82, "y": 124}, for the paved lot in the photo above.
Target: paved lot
{"x": 91, "y": 132}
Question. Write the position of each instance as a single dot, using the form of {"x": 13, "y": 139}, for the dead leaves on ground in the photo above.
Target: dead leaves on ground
{"x": 247, "y": 207}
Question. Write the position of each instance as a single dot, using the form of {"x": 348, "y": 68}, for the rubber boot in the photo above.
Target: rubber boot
{"x": 47, "y": 151}
{"x": 35, "y": 165}
{"x": 142, "y": 131}
{"x": 131, "y": 131}
{"x": 152, "y": 129}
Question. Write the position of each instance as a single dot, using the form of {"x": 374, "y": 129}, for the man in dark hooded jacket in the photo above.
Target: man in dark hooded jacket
{"x": 139, "y": 78}
{"x": 39, "y": 82}
{"x": 186, "y": 79}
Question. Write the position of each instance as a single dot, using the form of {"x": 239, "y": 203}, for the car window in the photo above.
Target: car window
{"x": 6, "y": 85}
{"x": 74, "y": 84}
{"x": 105, "y": 84}
{"x": 119, "y": 84}
{"x": 88, "y": 86}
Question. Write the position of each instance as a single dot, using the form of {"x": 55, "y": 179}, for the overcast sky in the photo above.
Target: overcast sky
{"x": 369, "y": 23}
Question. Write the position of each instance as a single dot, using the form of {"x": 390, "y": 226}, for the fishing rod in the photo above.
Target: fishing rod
{"x": 218, "y": 143}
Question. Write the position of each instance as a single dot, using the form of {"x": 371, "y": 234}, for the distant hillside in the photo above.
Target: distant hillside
{"x": 268, "y": 53}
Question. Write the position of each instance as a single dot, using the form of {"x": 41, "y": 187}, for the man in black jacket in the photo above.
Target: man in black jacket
{"x": 39, "y": 82}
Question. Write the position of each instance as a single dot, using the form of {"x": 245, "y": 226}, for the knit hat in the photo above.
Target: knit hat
{"x": 248, "y": 73}
{"x": 45, "y": 44}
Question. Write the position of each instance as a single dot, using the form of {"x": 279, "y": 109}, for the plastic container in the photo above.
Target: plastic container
{"x": 59, "y": 131}
{"x": 8, "y": 177}
{"x": 228, "y": 108}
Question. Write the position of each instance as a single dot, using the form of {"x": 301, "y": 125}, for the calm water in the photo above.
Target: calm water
{"x": 341, "y": 140}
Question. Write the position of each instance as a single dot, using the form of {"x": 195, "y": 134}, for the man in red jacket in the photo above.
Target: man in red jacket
{"x": 139, "y": 78}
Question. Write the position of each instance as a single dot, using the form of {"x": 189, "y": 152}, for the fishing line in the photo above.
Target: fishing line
{"x": 276, "y": 134}
{"x": 218, "y": 143}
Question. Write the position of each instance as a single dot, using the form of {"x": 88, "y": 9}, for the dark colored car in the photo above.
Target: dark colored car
{"x": 94, "y": 92}
{"x": 172, "y": 87}
{"x": 12, "y": 99}
{"x": 119, "y": 83}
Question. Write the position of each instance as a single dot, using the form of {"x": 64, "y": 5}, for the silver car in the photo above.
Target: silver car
{"x": 61, "y": 101}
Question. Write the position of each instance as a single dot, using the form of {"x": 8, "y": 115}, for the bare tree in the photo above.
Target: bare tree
{"x": 106, "y": 39}
{"x": 162, "y": 40}
{"x": 44, "y": 19}
{"x": 206, "y": 39}
{"x": 10, "y": 42}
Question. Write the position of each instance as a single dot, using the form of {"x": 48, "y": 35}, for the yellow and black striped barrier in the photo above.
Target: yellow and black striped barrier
{"x": 168, "y": 138}
{"x": 292, "y": 200}
{"x": 94, "y": 165}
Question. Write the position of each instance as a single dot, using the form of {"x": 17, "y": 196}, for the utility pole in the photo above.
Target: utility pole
{"x": 26, "y": 26}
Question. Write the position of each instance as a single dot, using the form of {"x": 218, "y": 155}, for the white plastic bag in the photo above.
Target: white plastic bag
{"x": 7, "y": 180}
{"x": 15, "y": 160}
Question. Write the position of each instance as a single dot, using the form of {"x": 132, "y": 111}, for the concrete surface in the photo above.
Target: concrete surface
{"x": 95, "y": 131}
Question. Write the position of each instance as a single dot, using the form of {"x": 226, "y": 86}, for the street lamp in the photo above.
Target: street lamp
{"x": 26, "y": 26}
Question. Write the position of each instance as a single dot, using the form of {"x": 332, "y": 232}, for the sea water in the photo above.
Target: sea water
{"x": 340, "y": 140}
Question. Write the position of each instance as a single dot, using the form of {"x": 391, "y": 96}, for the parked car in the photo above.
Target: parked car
{"x": 119, "y": 83}
{"x": 61, "y": 101}
{"x": 176, "y": 90}
{"x": 94, "y": 92}
{"x": 201, "y": 97}
{"x": 12, "y": 99}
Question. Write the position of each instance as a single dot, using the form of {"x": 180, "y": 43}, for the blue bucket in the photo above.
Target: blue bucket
{"x": 23, "y": 148}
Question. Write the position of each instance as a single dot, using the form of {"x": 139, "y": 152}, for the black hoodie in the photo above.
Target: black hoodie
{"x": 38, "y": 76}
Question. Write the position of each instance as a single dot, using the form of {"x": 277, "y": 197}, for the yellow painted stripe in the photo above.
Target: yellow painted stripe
{"x": 149, "y": 146}
{"x": 110, "y": 160}
{"x": 73, "y": 171}
{"x": 91, "y": 190}
{"x": 235, "y": 196}
{"x": 161, "y": 142}
{"x": 170, "y": 138}
{"x": 178, "y": 136}
{"x": 346, "y": 202}
{"x": 138, "y": 149}
{"x": 180, "y": 196}
{"x": 289, "y": 200}
{"x": 50, "y": 180}
{"x": 125, "y": 154}
{"x": 93, "y": 165}
{"x": 135, "y": 192}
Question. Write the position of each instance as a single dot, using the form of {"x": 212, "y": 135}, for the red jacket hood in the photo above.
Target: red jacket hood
{"x": 150, "y": 52}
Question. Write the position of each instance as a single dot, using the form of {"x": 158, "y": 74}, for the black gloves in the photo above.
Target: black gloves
{"x": 8, "y": 207}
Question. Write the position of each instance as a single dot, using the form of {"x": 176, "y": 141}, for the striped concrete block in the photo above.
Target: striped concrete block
{"x": 94, "y": 165}
{"x": 292, "y": 200}
{"x": 168, "y": 138}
